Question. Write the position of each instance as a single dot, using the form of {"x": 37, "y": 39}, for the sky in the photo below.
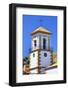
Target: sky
{"x": 30, "y": 23}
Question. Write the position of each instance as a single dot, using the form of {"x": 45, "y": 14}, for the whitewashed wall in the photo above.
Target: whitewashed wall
{"x": 45, "y": 61}
{"x": 34, "y": 61}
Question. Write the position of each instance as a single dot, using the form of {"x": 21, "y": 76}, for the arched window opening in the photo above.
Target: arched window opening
{"x": 44, "y": 43}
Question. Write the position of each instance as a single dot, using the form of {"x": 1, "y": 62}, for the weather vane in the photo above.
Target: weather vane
{"x": 41, "y": 22}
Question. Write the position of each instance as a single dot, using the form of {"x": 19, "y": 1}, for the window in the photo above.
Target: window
{"x": 44, "y": 43}
{"x": 33, "y": 55}
{"x": 45, "y": 54}
{"x": 35, "y": 43}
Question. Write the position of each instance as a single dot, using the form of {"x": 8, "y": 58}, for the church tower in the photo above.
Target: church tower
{"x": 40, "y": 56}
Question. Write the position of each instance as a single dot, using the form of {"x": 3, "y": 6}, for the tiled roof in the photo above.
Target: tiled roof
{"x": 41, "y": 30}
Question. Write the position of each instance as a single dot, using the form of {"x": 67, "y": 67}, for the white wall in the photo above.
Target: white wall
{"x": 4, "y": 37}
{"x": 45, "y": 61}
{"x": 34, "y": 60}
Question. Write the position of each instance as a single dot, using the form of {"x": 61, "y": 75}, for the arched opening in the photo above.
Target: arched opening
{"x": 44, "y": 43}
{"x": 35, "y": 43}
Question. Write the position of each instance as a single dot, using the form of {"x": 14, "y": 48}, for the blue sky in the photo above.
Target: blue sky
{"x": 31, "y": 22}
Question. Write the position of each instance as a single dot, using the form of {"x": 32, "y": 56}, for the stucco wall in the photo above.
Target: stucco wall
{"x": 34, "y": 61}
{"x": 45, "y": 61}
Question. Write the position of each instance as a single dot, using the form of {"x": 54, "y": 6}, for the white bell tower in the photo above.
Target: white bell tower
{"x": 40, "y": 56}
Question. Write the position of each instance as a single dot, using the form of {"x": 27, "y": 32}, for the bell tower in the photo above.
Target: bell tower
{"x": 40, "y": 56}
